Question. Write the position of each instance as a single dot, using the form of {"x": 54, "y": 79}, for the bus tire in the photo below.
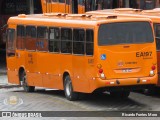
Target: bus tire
{"x": 68, "y": 89}
{"x": 25, "y": 84}
{"x": 120, "y": 94}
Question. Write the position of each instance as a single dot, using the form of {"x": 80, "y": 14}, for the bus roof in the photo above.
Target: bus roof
{"x": 68, "y": 19}
{"x": 153, "y": 14}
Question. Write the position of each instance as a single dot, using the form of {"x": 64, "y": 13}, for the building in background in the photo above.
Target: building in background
{"x": 10, "y": 8}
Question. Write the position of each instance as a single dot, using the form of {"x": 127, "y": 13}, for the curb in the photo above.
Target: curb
{"x": 9, "y": 86}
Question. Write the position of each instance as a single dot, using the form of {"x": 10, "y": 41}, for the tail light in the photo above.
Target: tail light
{"x": 100, "y": 71}
{"x": 153, "y": 67}
{"x": 152, "y": 73}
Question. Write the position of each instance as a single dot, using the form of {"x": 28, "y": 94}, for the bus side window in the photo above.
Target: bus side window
{"x": 20, "y": 43}
{"x": 78, "y": 41}
{"x": 89, "y": 42}
{"x": 11, "y": 42}
{"x": 54, "y": 41}
{"x": 42, "y": 38}
{"x": 66, "y": 40}
{"x": 31, "y": 36}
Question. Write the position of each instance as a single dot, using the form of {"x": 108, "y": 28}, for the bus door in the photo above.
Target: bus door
{"x": 43, "y": 58}
{"x": 20, "y": 45}
{"x": 33, "y": 73}
{"x": 11, "y": 55}
{"x": 51, "y": 60}
{"x": 80, "y": 61}
{"x": 74, "y": 6}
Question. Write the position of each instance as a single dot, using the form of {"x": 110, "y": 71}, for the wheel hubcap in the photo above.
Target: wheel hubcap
{"x": 24, "y": 82}
{"x": 68, "y": 88}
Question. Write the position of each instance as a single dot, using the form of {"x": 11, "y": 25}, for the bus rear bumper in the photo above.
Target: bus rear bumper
{"x": 133, "y": 83}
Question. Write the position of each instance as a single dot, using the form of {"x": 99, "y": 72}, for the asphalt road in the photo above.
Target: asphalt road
{"x": 54, "y": 100}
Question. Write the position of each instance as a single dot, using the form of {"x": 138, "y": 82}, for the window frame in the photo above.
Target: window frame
{"x": 84, "y": 41}
{"x": 99, "y": 42}
{"x": 31, "y": 37}
{"x": 39, "y": 39}
{"x": 22, "y": 37}
{"x": 11, "y": 50}
{"x": 89, "y": 41}
{"x": 62, "y": 40}
{"x": 54, "y": 40}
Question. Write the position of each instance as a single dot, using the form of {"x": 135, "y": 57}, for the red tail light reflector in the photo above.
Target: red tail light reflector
{"x": 100, "y": 70}
{"x": 153, "y": 67}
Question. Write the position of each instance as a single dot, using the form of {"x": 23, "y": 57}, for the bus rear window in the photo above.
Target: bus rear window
{"x": 125, "y": 33}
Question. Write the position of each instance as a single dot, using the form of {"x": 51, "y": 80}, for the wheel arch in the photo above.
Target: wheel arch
{"x": 64, "y": 75}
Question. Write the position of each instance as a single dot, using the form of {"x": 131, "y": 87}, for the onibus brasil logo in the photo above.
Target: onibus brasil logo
{"x": 13, "y": 100}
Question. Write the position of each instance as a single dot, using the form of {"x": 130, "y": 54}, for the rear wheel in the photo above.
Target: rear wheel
{"x": 68, "y": 89}
{"x": 25, "y": 85}
{"x": 120, "y": 94}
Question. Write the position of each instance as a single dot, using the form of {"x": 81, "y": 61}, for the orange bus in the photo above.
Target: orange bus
{"x": 75, "y": 6}
{"x": 80, "y": 53}
{"x": 138, "y": 13}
